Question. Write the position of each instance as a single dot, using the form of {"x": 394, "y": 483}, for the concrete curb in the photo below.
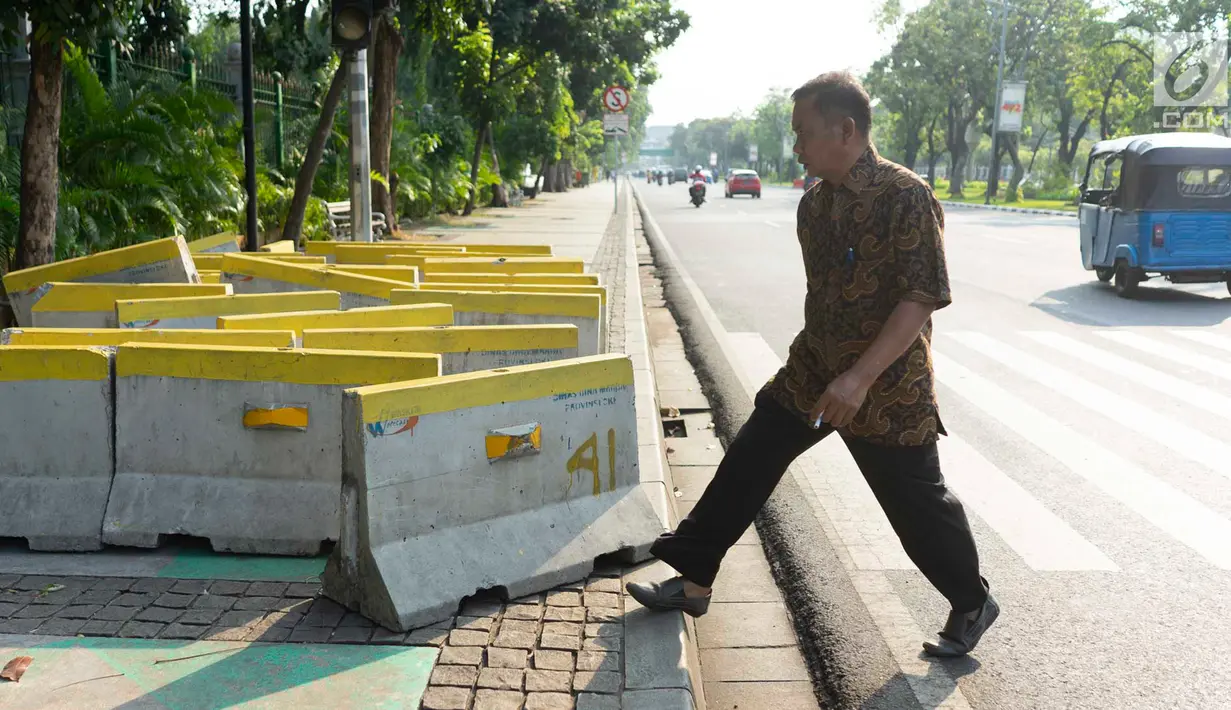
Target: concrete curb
{"x": 667, "y": 672}
{"x": 998, "y": 208}
{"x": 849, "y": 661}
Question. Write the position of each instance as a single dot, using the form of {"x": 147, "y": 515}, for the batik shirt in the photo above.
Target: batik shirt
{"x": 868, "y": 244}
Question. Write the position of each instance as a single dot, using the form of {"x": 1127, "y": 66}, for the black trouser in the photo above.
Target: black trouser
{"x": 906, "y": 480}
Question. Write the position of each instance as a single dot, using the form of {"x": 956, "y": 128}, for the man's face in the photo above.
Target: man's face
{"x": 820, "y": 144}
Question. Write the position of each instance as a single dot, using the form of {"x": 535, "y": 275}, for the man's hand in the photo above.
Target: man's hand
{"x": 841, "y": 401}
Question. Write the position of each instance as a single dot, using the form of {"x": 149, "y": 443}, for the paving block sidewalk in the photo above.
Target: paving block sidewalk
{"x": 186, "y": 628}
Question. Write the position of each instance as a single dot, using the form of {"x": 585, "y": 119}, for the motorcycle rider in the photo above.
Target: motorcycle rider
{"x": 696, "y": 177}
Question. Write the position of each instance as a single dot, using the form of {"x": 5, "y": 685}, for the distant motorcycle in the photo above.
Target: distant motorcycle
{"x": 660, "y": 179}
{"x": 697, "y": 192}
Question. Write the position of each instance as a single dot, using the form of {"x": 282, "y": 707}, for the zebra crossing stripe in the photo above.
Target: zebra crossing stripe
{"x": 1213, "y": 340}
{"x": 1197, "y": 361}
{"x": 1044, "y": 541}
{"x": 1168, "y": 509}
{"x": 1185, "y": 441}
{"x": 1148, "y": 377}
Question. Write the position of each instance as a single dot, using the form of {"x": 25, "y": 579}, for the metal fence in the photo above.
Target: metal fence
{"x": 286, "y": 110}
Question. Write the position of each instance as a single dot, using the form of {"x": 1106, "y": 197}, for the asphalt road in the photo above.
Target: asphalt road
{"x": 1089, "y": 441}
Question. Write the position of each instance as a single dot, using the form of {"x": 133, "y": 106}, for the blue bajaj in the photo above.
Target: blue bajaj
{"x": 1158, "y": 205}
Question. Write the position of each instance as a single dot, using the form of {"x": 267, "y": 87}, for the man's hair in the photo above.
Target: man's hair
{"x": 838, "y": 94}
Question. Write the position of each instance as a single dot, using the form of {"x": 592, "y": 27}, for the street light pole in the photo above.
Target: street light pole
{"x": 360, "y": 152}
{"x": 992, "y": 172}
{"x": 249, "y": 112}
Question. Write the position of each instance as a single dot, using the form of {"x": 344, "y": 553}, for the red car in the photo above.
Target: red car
{"x": 744, "y": 182}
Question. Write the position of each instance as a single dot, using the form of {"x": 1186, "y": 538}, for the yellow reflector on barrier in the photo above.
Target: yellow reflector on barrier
{"x": 514, "y": 442}
{"x": 276, "y": 416}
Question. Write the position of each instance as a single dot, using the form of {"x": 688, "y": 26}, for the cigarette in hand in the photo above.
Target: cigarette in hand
{"x": 817, "y": 424}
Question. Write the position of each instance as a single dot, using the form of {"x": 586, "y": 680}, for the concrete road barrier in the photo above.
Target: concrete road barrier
{"x": 462, "y": 348}
{"x": 56, "y": 452}
{"x": 408, "y": 274}
{"x": 213, "y": 262}
{"x": 506, "y": 265}
{"x": 238, "y": 445}
{"x": 562, "y": 279}
{"x": 510, "y": 249}
{"x": 255, "y": 275}
{"x": 328, "y": 249}
{"x": 599, "y": 291}
{"x": 90, "y": 305}
{"x": 513, "y": 479}
{"x": 425, "y": 314}
{"x": 160, "y": 261}
{"x": 104, "y": 337}
{"x": 377, "y": 253}
{"x": 204, "y": 312}
{"x": 481, "y": 308}
{"x": 220, "y": 243}
{"x": 282, "y": 246}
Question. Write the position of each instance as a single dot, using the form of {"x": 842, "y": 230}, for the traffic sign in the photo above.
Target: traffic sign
{"x": 713, "y": 159}
{"x": 752, "y": 153}
{"x": 615, "y": 124}
{"x": 615, "y": 99}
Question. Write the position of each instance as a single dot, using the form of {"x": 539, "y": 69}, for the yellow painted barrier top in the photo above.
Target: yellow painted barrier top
{"x": 329, "y": 248}
{"x": 507, "y": 249}
{"x": 447, "y": 339}
{"x": 507, "y": 265}
{"x": 119, "y": 336}
{"x": 533, "y": 304}
{"x": 399, "y": 259}
{"x": 220, "y": 242}
{"x": 73, "y": 296}
{"x": 518, "y": 288}
{"x": 309, "y": 276}
{"x": 409, "y": 274}
{"x": 100, "y": 263}
{"x": 209, "y": 276}
{"x": 579, "y": 376}
{"x": 282, "y": 246}
{"x": 380, "y": 253}
{"x": 239, "y": 304}
{"x": 45, "y": 362}
{"x": 214, "y": 261}
{"x": 305, "y": 367}
{"x": 562, "y": 279}
{"x": 378, "y": 317}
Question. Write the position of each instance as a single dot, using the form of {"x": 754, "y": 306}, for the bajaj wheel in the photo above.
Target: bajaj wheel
{"x": 1126, "y": 280}
{"x": 1104, "y": 273}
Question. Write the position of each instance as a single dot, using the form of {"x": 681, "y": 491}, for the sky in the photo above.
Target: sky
{"x": 737, "y": 50}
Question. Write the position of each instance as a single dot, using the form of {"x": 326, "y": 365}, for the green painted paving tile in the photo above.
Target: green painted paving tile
{"x": 217, "y": 674}
{"x": 203, "y": 564}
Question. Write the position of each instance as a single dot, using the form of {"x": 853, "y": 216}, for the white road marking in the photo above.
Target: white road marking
{"x": 1166, "y": 508}
{"x": 775, "y": 225}
{"x": 1147, "y": 377}
{"x": 1183, "y": 440}
{"x": 1196, "y": 361}
{"x": 1039, "y": 536}
{"x": 1213, "y": 340}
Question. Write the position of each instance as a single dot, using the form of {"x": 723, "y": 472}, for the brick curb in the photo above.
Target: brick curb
{"x": 998, "y": 208}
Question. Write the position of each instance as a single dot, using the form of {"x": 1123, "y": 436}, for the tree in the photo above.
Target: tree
{"x": 952, "y": 43}
{"x": 53, "y": 25}
{"x": 293, "y": 225}
{"x": 772, "y": 121}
